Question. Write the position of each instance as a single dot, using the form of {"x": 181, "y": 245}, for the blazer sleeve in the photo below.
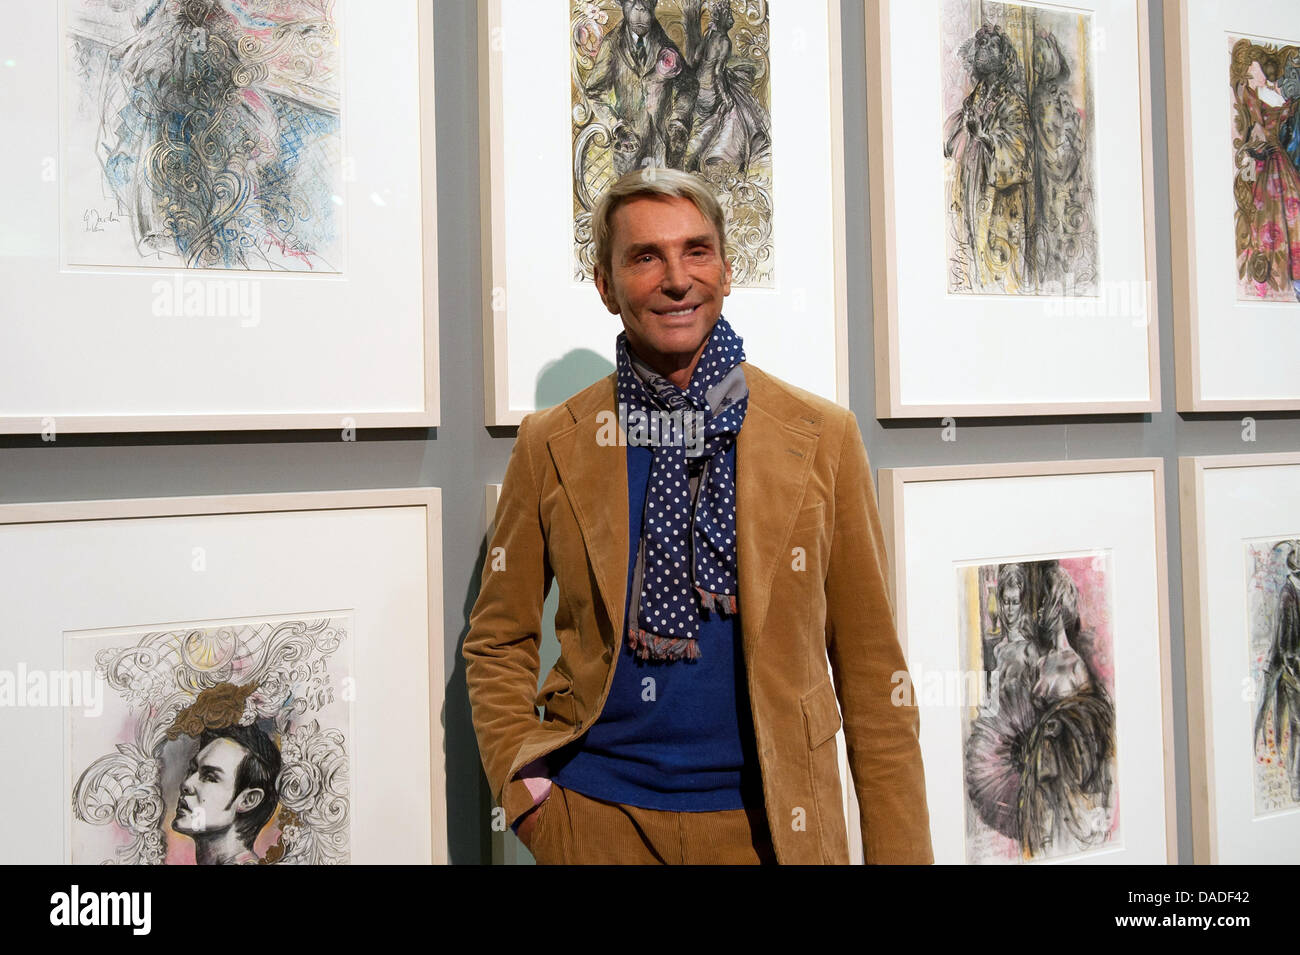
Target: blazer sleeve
{"x": 505, "y": 630}
{"x": 867, "y": 662}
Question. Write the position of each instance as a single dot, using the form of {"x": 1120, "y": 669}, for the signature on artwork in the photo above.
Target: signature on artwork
{"x": 92, "y": 219}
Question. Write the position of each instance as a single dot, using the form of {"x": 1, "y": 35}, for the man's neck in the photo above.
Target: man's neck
{"x": 218, "y": 849}
{"x": 677, "y": 369}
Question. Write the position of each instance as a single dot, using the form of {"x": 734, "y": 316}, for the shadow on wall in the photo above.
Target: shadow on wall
{"x": 565, "y": 377}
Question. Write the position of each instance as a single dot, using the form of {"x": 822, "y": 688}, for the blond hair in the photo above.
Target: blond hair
{"x": 653, "y": 181}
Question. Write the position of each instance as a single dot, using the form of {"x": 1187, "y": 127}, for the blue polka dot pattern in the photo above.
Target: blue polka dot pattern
{"x": 688, "y": 553}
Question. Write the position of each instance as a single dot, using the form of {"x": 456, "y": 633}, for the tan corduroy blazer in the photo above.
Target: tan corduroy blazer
{"x": 812, "y": 584}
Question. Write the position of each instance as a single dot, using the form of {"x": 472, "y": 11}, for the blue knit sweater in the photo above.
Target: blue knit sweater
{"x": 674, "y": 736}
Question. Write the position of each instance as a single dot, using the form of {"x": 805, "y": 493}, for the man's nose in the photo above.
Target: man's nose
{"x": 677, "y": 280}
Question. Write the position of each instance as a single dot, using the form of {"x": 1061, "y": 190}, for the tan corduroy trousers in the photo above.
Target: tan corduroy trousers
{"x": 573, "y": 829}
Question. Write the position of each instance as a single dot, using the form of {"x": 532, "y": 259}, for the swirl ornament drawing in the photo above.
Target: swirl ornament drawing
{"x": 203, "y": 134}
{"x": 219, "y": 744}
{"x": 679, "y": 84}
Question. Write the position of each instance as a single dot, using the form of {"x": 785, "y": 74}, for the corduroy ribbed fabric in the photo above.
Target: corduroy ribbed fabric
{"x": 573, "y": 829}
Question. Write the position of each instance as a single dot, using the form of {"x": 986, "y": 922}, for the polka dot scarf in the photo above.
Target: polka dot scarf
{"x": 687, "y": 559}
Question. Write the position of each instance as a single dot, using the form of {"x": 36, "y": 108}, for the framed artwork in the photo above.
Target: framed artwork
{"x": 1012, "y": 211}
{"x": 252, "y": 679}
{"x": 574, "y": 94}
{"x": 1241, "y": 610}
{"x": 1031, "y": 600}
{"x": 1232, "y": 72}
{"x": 223, "y": 216}
{"x": 506, "y": 847}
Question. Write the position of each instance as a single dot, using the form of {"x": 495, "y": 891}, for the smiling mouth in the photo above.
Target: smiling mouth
{"x": 677, "y": 312}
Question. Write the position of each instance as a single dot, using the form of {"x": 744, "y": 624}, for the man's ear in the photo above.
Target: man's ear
{"x": 726, "y": 279}
{"x": 249, "y": 799}
{"x": 602, "y": 286}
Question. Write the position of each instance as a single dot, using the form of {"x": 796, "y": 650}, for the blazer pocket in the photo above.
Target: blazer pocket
{"x": 557, "y": 700}
{"x": 810, "y": 518}
{"x": 821, "y": 714}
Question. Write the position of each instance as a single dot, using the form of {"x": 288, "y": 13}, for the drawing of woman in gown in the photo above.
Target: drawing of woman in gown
{"x": 1039, "y": 769}
{"x": 1280, "y": 699}
{"x": 730, "y": 126}
{"x": 1065, "y": 238}
{"x": 1268, "y": 183}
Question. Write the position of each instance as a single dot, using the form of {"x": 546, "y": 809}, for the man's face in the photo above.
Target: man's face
{"x": 638, "y": 15}
{"x": 667, "y": 276}
{"x": 207, "y": 800}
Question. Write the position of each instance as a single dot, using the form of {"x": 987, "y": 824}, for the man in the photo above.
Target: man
{"x": 690, "y": 717}
{"x": 653, "y": 91}
{"x": 228, "y": 794}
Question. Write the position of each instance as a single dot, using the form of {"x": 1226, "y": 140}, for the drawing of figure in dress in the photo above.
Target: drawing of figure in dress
{"x": 1268, "y": 199}
{"x": 1280, "y": 701}
{"x": 730, "y": 126}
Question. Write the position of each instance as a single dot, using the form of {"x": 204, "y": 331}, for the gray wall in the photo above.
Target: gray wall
{"x": 462, "y": 455}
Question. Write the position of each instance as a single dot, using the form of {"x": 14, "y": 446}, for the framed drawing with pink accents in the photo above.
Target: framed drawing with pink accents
{"x": 1241, "y": 613}
{"x": 1012, "y": 210}
{"x": 1031, "y": 603}
{"x": 249, "y": 679}
{"x": 1232, "y": 73}
{"x": 223, "y": 216}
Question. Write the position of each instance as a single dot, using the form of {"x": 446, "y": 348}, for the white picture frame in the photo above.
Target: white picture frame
{"x": 1232, "y": 505}
{"x": 940, "y": 353}
{"x": 147, "y": 565}
{"x": 1231, "y": 355}
{"x": 938, "y": 519}
{"x": 547, "y": 336}
{"x": 89, "y": 347}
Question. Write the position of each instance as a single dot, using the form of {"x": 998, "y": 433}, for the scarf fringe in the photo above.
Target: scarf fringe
{"x": 716, "y": 603}
{"x": 651, "y": 646}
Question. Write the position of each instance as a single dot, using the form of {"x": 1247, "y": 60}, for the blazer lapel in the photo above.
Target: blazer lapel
{"x": 773, "y": 461}
{"x": 593, "y": 472}
{"x": 774, "y": 456}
